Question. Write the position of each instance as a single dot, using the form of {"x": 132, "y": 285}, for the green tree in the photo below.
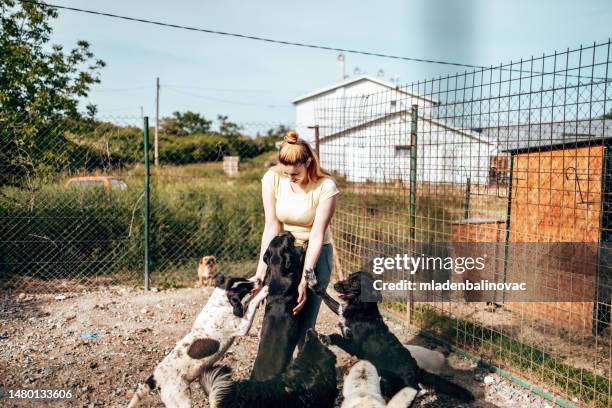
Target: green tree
{"x": 273, "y": 135}
{"x": 183, "y": 124}
{"x": 227, "y": 128}
{"x": 40, "y": 86}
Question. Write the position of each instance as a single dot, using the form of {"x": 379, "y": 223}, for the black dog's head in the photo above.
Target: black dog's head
{"x": 236, "y": 289}
{"x": 358, "y": 287}
{"x": 285, "y": 263}
{"x": 283, "y": 254}
{"x": 315, "y": 364}
{"x": 313, "y": 347}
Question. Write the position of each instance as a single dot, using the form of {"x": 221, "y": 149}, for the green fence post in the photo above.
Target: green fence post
{"x": 466, "y": 210}
{"x": 413, "y": 193}
{"x": 147, "y": 204}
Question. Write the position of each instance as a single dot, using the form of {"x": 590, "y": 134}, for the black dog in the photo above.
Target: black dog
{"x": 309, "y": 382}
{"x": 280, "y": 328}
{"x": 366, "y": 336}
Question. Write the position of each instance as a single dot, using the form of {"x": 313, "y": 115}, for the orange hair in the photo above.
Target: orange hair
{"x": 295, "y": 151}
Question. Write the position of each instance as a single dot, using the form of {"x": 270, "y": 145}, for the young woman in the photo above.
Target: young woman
{"x": 300, "y": 197}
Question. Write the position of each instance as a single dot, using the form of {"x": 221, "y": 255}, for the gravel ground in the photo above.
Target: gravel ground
{"x": 102, "y": 344}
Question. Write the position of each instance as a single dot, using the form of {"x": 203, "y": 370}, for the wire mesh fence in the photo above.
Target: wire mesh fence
{"x": 211, "y": 207}
{"x": 72, "y": 199}
{"x": 70, "y": 202}
{"x": 516, "y": 156}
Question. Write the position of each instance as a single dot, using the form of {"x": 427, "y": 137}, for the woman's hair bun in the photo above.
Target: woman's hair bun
{"x": 291, "y": 137}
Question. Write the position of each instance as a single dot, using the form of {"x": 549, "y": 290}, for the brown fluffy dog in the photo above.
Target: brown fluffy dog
{"x": 207, "y": 268}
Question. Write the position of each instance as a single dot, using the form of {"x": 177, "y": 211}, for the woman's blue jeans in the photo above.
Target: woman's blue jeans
{"x": 323, "y": 271}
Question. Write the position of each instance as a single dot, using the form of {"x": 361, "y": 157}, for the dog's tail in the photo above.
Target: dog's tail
{"x": 403, "y": 399}
{"x": 143, "y": 389}
{"x": 444, "y": 386}
{"x": 217, "y": 383}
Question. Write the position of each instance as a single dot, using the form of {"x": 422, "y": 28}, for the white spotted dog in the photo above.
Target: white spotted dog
{"x": 361, "y": 389}
{"x": 222, "y": 319}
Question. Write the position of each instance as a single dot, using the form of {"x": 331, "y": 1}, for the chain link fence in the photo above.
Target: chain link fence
{"x": 516, "y": 156}
{"x": 72, "y": 200}
{"x": 206, "y": 201}
{"x": 70, "y": 203}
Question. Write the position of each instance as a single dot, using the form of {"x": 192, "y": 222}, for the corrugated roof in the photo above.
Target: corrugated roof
{"x": 514, "y": 138}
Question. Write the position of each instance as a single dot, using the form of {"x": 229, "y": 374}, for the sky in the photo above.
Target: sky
{"x": 254, "y": 82}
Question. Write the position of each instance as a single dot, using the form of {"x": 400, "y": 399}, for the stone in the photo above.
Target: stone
{"x": 488, "y": 380}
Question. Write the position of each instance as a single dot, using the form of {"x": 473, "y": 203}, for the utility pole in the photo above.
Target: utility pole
{"x": 156, "y": 141}
{"x": 141, "y": 113}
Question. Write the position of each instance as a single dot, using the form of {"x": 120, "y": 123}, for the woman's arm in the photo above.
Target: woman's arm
{"x": 323, "y": 216}
{"x": 271, "y": 229}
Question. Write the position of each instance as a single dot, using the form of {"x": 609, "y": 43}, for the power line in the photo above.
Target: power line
{"x": 225, "y": 100}
{"x": 204, "y": 88}
{"x": 122, "y": 89}
{"x": 255, "y": 38}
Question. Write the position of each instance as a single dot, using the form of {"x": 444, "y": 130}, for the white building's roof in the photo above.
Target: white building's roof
{"x": 467, "y": 133}
{"x": 358, "y": 79}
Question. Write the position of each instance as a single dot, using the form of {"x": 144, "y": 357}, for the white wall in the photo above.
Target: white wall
{"x": 350, "y": 105}
{"x": 443, "y": 155}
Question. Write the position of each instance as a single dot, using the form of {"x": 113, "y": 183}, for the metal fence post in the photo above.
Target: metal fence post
{"x": 413, "y": 192}
{"x": 317, "y": 140}
{"x": 466, "y": 209}
{"x": 147, "y": 218}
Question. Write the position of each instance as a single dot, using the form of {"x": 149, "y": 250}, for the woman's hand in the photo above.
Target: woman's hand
{"x": 301, "y": 300}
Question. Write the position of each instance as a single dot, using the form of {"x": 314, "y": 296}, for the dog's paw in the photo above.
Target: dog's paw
{"x": 256, "y": 280}
{"x": 262, "y": 294}
{"x": 311, "y": 279}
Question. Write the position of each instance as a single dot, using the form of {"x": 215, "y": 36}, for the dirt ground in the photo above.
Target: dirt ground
{"x": 102, "y": 343}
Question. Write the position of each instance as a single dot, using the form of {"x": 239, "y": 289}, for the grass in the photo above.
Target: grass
{"x": 53, "y": 232}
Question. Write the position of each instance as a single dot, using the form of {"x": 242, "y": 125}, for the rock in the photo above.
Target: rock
{"x": 60, "y": 297}
{"x": 21, "y": 296}
{"x": 144, "y": 310}
{"x": 488, "y": 380}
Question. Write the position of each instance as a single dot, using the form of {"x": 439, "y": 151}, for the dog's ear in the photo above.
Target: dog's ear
{"x": 287, "y": 258}
{"x": 238, "y": 309}
{"x": 219, "y": 281}
{"x": 266, "y": 256}
{"x": 366, "y": 285}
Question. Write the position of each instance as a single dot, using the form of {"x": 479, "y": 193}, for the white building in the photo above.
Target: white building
{"x": 364, "y": 131}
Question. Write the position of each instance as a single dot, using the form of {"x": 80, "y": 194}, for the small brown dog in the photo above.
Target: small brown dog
{"x": 207, "y": 268}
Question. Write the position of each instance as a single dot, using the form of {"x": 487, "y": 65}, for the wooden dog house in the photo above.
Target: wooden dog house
{"x": 559, "y": 194}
